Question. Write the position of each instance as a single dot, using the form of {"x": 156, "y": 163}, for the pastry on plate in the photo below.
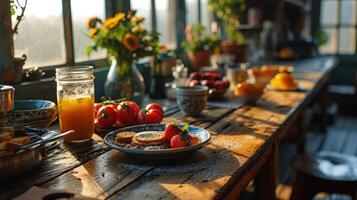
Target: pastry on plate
{"x": 283, "y": 81}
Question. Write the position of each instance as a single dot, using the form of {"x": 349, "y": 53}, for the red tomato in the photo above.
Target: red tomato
{"x": 179, "y": 141}
{"x": 170, "y": 131}
{"x": 106, "y": 117}
{"x": 149, "y": 117}
{"x": 127, "y": 112}
{"x": 97, "y": 106}
{"x": 155, "y": 106}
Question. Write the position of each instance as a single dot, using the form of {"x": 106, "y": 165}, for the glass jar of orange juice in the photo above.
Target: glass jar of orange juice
{"x": 75, "y": 99}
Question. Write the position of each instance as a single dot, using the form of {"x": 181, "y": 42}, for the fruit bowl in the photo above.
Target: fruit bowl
{"x": 217, "y": 83}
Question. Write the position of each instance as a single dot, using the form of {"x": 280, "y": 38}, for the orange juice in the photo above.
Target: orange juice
{"x": 77, "y": 114}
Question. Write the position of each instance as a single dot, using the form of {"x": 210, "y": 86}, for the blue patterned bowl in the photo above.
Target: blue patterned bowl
{"x": 192, "y": 100}
{"x": 157, "y": 154}
{"x": 38, "y": 113}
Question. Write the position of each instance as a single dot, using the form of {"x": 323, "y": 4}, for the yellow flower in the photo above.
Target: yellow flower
{"x": 137, "y": 20}
{"x": 92, "y": 22}
{"x": 93, "y": 32}
{"x": 120, "y": 16}
{"x": 138, "y": 29}
{"x": 131, "y": 42}
{"x": 163, "y": 48}
{"x": 110, "y": 23}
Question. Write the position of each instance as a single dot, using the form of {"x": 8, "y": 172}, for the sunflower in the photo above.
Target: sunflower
{"x": 120, "y": 16}
{"x": 138, "y": 28}
{"x": 93, "y": 32}
{"x": 137, "y": 20}
{"x": 110, "y": 23}
{"x": 163, "y": 48}
{"x": 92, "y": 22}
{"x": 131, "y": 42}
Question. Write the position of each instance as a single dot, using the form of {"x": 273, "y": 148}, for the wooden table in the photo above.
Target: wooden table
{"x": 244, "y": 146}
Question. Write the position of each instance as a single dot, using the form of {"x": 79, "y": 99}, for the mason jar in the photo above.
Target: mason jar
{"x": 75, "y": 99}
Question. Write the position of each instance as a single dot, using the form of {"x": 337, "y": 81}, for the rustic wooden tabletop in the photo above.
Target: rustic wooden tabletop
{"x": 244, "y": 146}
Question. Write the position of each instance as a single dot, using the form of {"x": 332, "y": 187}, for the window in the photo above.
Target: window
{"x": 143, "y": 8}
{"x": 338, "y": 20}
{"x": 165, "y": 20}
{"x": 41, "y": 36}
{"x": 79, "y": 18}
{"x": 192, "y": 14}
{"x": 45, "y": 33}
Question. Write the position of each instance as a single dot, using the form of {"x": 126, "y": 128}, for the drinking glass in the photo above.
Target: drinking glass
{"x": 75, "y": 99}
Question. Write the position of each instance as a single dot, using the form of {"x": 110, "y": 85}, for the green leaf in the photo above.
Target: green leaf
{"x": 185, "y": 128}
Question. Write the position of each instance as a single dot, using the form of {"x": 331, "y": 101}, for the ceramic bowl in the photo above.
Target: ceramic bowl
{"x": 37, "y": 113}
{"x": 192, "y": 100}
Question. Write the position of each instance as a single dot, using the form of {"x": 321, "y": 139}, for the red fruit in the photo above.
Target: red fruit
{"x": 208, "y": 83}
{"x": 155, "y": 106}
{"x": 194, "y": 83}
{"x": 226, "y": 83}
{"x": 106, "y": 117}
{"x": 219, "y": 85}
{"x": 179, "y": 141}
{"x": 97, "y": 106}
{"x": 170, "y": 131}
{"x": 195, "y": 76}
{"x": 127, "y": 113}
{"x": 149, "y": 117}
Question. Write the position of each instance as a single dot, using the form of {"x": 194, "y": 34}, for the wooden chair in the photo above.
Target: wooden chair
{"x": 328, "y": 172}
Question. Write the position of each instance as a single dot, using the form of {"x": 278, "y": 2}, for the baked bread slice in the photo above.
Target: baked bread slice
{"x": 150, "y": 137}
{"x": 125, "y": 136}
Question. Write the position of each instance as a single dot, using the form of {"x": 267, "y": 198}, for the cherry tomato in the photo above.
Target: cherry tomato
{"x": 170, "y": 131}
{"x": 106, "y": 117}
{"x": 149, "y": 117}
{"x": 127, "y": 112}
{"x": 97, "y": 106}
{"x": 179, "y": 141}
{"x": 155, "y": 106}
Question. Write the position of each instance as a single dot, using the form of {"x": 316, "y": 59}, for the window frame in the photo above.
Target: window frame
{"x": 337, "y": 26}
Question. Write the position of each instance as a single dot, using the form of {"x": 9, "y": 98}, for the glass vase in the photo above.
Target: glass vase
{"x": 124, "y": 81}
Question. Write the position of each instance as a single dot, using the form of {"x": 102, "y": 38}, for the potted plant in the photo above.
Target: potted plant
{"x": 229, "y": 11}
{"x": 10, "y": 66}
{"x": 126, "y": 41}
{"x": 199, "y": 45}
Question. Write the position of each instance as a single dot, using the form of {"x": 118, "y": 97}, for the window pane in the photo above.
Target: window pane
{"x": 348, "y": 12}
{"x": 191, "y": 11}
{"x": 93, "y": 8}
{"x": 330, "y": 47}
{"x": 41, "y": 36}
{"x": 347, "y": 41}
{"x": 328, "y": 12}
{"x": 165, "y": 20}
{"x": 205, "y": 20}
{"x": 143, "y": 8}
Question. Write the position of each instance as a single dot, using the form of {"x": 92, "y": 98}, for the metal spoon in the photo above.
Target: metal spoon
{"x": 46, "y": 140}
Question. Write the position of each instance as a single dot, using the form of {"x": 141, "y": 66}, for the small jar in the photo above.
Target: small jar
{"x": 75, "y": 99}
